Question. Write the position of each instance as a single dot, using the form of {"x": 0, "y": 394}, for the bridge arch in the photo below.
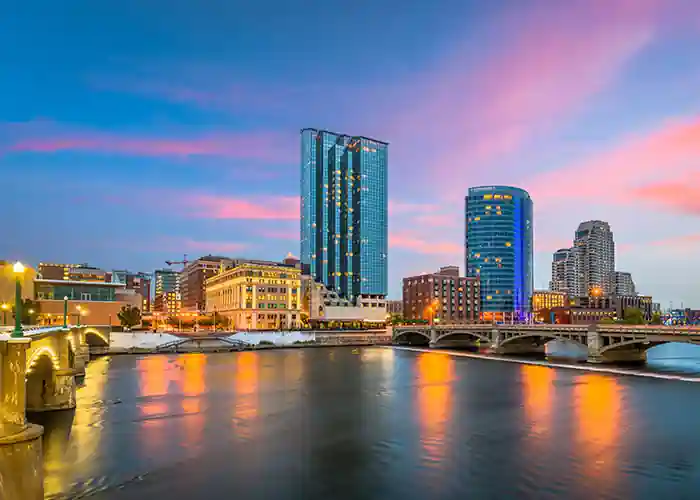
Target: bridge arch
{"x": 408, "y": 336}
{"x": 41, "y": 378}
{"x": 94, "y": 337}
{"x": 641, "y": 344}
{"x": 462, "y": 333}
{"x": 539, "y": 335}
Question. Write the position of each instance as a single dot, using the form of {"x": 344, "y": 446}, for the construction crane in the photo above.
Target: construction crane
{"x": 184, "y": 262}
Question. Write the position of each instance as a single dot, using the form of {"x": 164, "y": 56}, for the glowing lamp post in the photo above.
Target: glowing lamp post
{"x": 18, "y": 268}
{"x": 4, "y": 307}
{"x": 65, "y": 312}
{"x": 80, "y": 312}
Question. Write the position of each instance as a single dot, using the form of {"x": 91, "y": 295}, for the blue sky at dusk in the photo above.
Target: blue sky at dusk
{"x": 133, "y": 132}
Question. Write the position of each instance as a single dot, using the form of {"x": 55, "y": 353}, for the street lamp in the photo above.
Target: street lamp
{"x": 80, "y": 311}
{"x": 18, "y": 268}
{"x": 65, "y": 312}
{"x": 4, "y": 307}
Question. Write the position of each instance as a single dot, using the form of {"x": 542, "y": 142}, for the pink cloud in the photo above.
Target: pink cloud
{"x": 263, "y": 146}
{"x": 636, "y": 171}
{"x": 401, "y": 207}
{"x": 409, "y": 241}
{"x": 560, "y": 55}
{"x": 678, "y": 196}
{"x": 221, "y": 207}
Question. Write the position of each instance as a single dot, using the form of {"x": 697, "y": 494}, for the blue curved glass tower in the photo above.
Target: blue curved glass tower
{"x": 499, "y": 250}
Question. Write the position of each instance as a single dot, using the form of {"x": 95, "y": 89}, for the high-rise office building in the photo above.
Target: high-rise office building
{"x": 344, "y": 233}
{"x": 624, "y": 284}
{"x": 499, "y": 250}
{"x": 595, "y": 253}
{"x": 565, "y": 272}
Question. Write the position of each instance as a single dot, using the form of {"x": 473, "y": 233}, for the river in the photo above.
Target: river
{"x": 370, "y": 423}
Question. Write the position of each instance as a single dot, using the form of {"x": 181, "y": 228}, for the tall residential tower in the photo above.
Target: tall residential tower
{"x": 595, "y": 248}
{"x": 498, "y": 248}
{"x": 344, "y": 233}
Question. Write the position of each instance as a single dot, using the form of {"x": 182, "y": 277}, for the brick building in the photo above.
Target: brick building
{"x": 444, "y": 296}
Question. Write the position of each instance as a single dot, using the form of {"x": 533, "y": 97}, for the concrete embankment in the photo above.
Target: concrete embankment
{"x": 144, "y": 343}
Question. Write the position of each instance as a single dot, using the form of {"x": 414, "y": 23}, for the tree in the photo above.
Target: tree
{"x": 655, "y": 319}
{"x": 633, "y": 316}
{"x": 129, "y": 316}
{"x": 607, "y": 320}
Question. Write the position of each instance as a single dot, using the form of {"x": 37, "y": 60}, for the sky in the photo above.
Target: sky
{"x": 134, "y": 132}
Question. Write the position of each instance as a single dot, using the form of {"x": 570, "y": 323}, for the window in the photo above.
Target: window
{"x": 85, "y": 296}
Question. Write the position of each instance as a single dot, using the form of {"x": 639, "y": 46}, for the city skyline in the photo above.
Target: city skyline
{"x": 125, "y": 149}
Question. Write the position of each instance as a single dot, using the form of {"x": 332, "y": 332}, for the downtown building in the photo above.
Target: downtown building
{"x": 588, "y": 267}
{"x": 167, "y": 297}
{"x": 344, "y": 227}
{"x": 624, "y": 284}
{"x": 499, "y": 250}
{"x": 193, "y": 278}
{"x": 444, "y": 297}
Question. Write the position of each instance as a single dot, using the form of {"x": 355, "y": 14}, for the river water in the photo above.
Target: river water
{"x": 370, "y": 423}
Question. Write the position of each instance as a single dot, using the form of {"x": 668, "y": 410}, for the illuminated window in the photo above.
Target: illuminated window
{"x": 488, "y": 196}
{"x": 488, "y": 297}
{"x": 477, "y": 218}
{"x": 508, "y": 243}
{"x": 498, "y": 196}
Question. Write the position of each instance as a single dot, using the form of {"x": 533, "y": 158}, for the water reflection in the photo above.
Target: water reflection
{"x": 75, "y": 437}
{"x": 434, "y": 404}
{"x": 538, "y": 394}
{"x": 597, "y": 401}
{"x": 246, "y": 405}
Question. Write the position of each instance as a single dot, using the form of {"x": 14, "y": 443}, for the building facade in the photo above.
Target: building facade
{"x": 543, "y": 301}
{"x": 324, "y": 307}
{"x": 595, "y": 252}
{"x": 344, "y": 208}
{"x": 565, "y": 272}
{"x": 444, "y": 297}
{"x": 139, "y": 282}
{"x": 499, "y": 250}
{"x": 167, "y": 298}
{"x": 193, "y": 278}
{"x": 89, "y": 302}
{"x": 73, "y": 272}
{"x": 394, "y": 307}
{"x": 256, "y": 296}
{"x": 624, "y": 284}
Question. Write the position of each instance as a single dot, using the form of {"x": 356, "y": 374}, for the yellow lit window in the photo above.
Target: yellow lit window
{"x": 488, "y": 207}
{"x": 477, "y": 218}
{"x": 499, "y": 213}
{"x": 488, "y": 196}
{"x": 486, "y": 259}
{"x": 508, "y": 243}
{"x": 507, "y": 197}
{"x": 477, "y": 255}
{"x": 489, "y": 297}
{"x": 498, "y": 196}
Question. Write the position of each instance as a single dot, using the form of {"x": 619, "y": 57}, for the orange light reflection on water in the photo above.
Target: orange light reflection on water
{"x": 246, "y": 384}
{"x": 153, "y": 376}
{"x": 193, "y": 386}
{"x": 598, "y": 403}
{"x": 538, "y": 396}
{"x": 434, "y": 401}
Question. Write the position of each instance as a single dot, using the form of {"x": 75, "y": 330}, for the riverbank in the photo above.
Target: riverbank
{"x": 580, "y": 367}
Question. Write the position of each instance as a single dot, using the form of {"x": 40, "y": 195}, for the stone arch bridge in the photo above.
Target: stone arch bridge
{"x": 37, "y": 373}
{"x": 604, "y": 343}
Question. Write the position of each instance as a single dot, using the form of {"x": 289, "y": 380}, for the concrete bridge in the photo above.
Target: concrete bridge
{"x": 604, "y": 343}
{"x": 37, "y": 373}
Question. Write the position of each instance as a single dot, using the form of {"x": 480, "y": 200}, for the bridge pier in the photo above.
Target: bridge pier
{"x": 81, "y": 359}
{"x": 21, "y": 467}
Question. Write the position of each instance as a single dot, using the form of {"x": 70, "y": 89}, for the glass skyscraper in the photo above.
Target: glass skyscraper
{"x": 499, "y": 250}
{"x": 344, "y": 230}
